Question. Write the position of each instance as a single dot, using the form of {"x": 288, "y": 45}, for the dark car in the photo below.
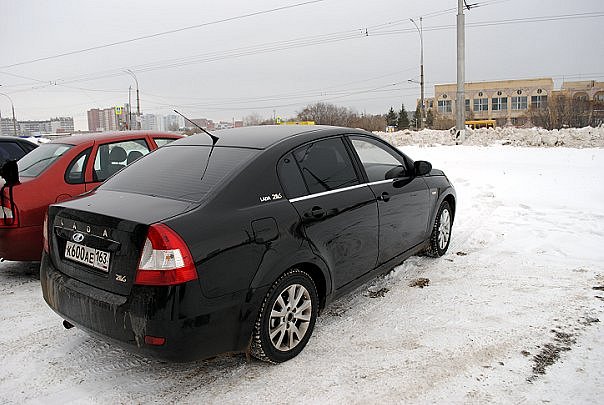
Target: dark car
{"x": 195, "y": 250}
{"x": 13, "y": 148}
{"x": 57, "y": 171}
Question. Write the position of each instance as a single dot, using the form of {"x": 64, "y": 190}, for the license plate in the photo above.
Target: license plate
{"x": 87, "y": 255}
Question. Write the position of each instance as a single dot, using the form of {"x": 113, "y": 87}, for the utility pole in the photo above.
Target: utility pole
{"x": 138, "y": 105}
{"x": 460, "y": 101}
{"x": 13, "y": 108}
{"x": 129, "y": 108}
{"x": 420, "y": 30}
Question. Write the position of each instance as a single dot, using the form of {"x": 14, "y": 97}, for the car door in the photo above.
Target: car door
{"x": 338, "y": 213}
{"x": 403, "y": 199}
{"x": 74, "y": 177}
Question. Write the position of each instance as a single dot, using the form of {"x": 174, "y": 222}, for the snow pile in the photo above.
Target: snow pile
{"x": 587, "y": 137}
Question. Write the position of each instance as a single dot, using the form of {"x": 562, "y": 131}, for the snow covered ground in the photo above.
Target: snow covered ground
{"x": 514, "y": 313}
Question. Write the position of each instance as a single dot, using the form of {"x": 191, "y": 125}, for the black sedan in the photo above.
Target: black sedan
{"x": 199, "y": 249}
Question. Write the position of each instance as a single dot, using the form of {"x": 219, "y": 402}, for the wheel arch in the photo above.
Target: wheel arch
{"x": 304, "y": 260}
{"x": 450, "y": 198}
{"x": 318, "y": 278}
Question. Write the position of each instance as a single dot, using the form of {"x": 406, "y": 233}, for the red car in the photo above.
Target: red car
{"x": 59, "y": 170}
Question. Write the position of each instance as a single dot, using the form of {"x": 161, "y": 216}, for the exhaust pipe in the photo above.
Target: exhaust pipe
{"x": 67, "y": 325}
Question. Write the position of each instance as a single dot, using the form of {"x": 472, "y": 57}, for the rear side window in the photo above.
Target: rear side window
{"x": 28, "y": 146}
{"x": 326, "y": 165}
{"x": 175, "y": 172}
{"x": 77, "y": 168}
{"x": 113, "y": 157}
{"x": 36, "y": 161}
{"x": 163, "y": 141}
{"x": 290, "y": 177}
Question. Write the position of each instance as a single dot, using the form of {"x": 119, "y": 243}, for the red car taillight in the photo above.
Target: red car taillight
{"x": 165, "y": 260}
{"x": 45, "y": 233}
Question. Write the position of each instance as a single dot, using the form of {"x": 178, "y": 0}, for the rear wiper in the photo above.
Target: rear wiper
{"x": 214, "y": 140}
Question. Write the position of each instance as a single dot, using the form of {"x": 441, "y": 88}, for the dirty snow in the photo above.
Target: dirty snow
{"x": 524, "y": 274}
{"x": 587, "y": 137}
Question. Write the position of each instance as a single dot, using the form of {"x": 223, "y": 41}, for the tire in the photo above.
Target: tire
{"x": 441, "y": 231}
{"x": 284, "y": 323}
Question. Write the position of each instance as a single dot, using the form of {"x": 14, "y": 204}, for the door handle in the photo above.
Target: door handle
{"x": 384, "y": 197}
{"x": 315, "y": 212}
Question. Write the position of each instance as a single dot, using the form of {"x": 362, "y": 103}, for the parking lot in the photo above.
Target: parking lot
{"x": 513, "y": 313}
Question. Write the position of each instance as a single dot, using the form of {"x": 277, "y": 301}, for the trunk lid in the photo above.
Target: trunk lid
{"x": 98, "y": 239}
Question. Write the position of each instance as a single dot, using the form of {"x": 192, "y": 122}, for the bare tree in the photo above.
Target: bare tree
{"x": 370, "y": 122}
{"x": 253, "y": 119}
{"x": 562, "y": 111}
{"x": 327, "y": 114}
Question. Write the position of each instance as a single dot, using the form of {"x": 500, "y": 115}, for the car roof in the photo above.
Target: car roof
{"x": 78, "y": 139}
{"x": 16, "y": 139}
{"x": 259, "y": 137}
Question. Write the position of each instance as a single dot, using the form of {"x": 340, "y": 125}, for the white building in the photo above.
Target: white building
{"x": 150, "y": 122}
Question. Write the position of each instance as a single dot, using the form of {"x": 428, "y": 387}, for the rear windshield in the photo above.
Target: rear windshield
{"x": 175, "y": 171}
{"x": 36, "y": 161}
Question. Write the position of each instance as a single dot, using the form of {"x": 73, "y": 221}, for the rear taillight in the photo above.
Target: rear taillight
{"x": 8, "y": 216}
{"x": 45, "y": 233}
{"x": 155, "y": 341}
{"x": 165, "y": 260}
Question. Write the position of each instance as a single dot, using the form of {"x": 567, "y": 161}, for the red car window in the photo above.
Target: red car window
{"x": 112, "y": 157}
{"x": 77, "y": 168}
{"x": 36, "y": 161}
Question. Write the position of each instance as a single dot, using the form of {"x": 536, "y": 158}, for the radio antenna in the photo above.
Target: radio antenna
{"x": 214, "y": 140}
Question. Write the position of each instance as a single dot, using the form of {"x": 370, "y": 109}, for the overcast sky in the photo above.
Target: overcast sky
{"x": 242, "y": 58}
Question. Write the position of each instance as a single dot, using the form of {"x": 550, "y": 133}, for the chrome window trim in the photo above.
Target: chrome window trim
{"x": 309, "y": 196}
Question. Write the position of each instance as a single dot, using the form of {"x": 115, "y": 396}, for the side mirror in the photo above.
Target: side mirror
{"x": 395, "y": 172}
{"x": 422, "y": 167}
{"x": 9, "y": 171}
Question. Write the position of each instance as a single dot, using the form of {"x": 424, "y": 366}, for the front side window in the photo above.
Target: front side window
{"x": 36, "y": 161}
{"x": 500, "y": 103}
{"x": 481, "y": 104}
{"x": 519, "y": 103}
{"x": 467, "y": 105}
{"x": 112, "y": 157}
{"x": 325, "y": 165}
{"x": 379, "y": 163}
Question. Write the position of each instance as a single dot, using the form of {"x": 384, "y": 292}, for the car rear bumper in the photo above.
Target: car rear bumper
{"x": 193, "y": 327}
{"x": 21, "y": 244}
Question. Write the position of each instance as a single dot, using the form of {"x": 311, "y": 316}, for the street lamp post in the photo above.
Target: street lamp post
{"x": 420, "y": 30}
{"x": 129, "y": 108}
{"x": 138, "y": 105}
{"x": 13, "y": 108}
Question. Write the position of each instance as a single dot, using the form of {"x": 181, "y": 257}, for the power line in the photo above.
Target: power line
{"x": 563, "y": 17}
{"x": 158, "y": 34}
{"x": 233, "y": 53}
{"x": 284, "y": 45}
{"x": 296, "y": 43}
